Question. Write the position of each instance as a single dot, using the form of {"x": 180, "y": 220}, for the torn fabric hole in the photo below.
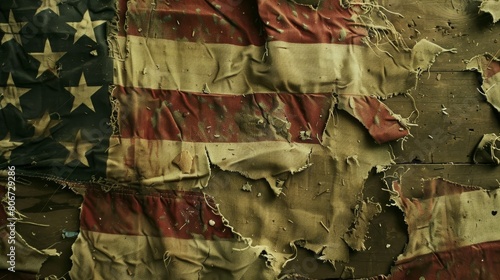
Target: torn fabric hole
{"x": 160, "y": 234}
{"x": 315, "y": 206}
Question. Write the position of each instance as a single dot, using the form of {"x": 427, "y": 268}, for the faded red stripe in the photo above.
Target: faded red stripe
{"x": 233, "y": 22}
{"x": 179, "y": 214}
{"x": 479, "y": 261}
{"x": 197, "y": 117}
{"x": 329, "y": 23}
{"x": 375, "y": 116}
{"x": 241, "y": 22}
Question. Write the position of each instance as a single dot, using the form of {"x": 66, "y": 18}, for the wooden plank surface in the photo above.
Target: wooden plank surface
{"x": 444, "y": 137}
{"x": 449, "y": 23}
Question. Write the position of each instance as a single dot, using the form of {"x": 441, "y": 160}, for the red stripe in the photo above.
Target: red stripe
{"x": 241, "y": 22}
{"x": 329, "y": 23}
{"x": 375, "y": 116}
{"x": 178, "y": 214}
{"x": 233, "y": 22}
{"x": 479, "y": 261}
{"x": 194, "y": 117}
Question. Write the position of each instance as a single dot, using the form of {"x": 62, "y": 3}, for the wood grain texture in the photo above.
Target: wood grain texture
{"x": 449, "y": 23}
{"x": 444, "y": 135}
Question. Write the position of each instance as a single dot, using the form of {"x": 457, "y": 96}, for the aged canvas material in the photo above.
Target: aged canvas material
{"x": 452, "y": 230}
{"x": 492, "y": 7}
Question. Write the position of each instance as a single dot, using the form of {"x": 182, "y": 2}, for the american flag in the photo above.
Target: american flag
{"x": 452, "y": 231}
{"x": 136, "y": 103}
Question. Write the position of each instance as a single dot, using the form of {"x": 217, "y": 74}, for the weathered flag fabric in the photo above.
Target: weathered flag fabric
{"x": 199, "y": 132}
{"x": 159, "y": 234}
{"x": 453, "y": 231}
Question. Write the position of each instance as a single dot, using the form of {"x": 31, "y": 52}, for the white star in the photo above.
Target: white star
{"x": 6, "y": 146}
{"x": 83, "y": 94}
{"x": 12, "y": 29}
{"x": 49, "y": 4}
{"x": 10, "y": 94}
{"x": 47, "y": 59}
{"x": 78, "y": 149}
{"x": 85, "y": 27}
{"x": 43, "y": 125}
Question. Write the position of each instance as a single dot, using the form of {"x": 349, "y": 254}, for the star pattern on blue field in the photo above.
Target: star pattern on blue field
{"x": 54, "y": 87}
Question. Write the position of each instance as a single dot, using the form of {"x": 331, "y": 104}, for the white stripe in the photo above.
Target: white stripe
{"x": 451, "y": 221}
{"x": 111, "y": 256}
{"x": 276, "y": 67}
{"x": 151, "y": 161}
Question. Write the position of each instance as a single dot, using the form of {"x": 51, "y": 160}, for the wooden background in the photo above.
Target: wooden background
{"x": 442, "y": 145}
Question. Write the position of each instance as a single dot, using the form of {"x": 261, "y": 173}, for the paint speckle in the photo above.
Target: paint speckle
{"x": 247, "y": 187}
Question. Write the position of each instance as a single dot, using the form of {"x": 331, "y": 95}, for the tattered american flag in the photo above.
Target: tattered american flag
{"x": 137, "y": 104}
{"x": 452, "y": 231}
